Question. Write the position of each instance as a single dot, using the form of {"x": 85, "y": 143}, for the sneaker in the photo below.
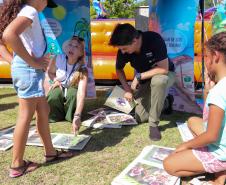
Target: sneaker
{"x": 154, "y": 134}
{"x": 168, "y": 105}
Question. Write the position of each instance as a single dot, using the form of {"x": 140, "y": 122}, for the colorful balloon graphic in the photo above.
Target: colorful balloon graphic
{"x": 59, "y": 13}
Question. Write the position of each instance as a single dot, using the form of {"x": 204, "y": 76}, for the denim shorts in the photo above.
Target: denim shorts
{"x": 27, "y": 81}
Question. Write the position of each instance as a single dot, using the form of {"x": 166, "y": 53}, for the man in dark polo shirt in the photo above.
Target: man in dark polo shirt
{"x": 147, "y": 54}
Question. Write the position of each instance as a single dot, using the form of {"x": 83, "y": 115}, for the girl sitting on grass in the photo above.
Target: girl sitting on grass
{"x": 207, "y": 151}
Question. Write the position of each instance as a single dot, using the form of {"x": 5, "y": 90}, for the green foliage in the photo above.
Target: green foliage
{"x": 120, "y": 8}
{"x": 126, "y": 8}
{"x": 208, "y": 3}
{"x": 92, "y": 12}
{"x": 143, "y": 3}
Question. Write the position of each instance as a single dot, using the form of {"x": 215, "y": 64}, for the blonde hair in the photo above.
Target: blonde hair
{"x": 82, "y": 69}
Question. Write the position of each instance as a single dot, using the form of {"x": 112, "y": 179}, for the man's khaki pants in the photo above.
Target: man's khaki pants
{"x": 151, "y": 97}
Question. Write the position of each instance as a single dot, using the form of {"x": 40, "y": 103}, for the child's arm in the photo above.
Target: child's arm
{"x": 216, "y": 115}
{"x": 52, "y": 68}
{"x": 11, "y": 37}
{"x": 6, "y": 55}
{"x": 81, "y": 94}
{"x": 209, "y": 83}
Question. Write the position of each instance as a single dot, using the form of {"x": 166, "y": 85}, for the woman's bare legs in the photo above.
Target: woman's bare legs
{"x": 179, "y": 164}
{"x": 42, "y": 113}
{"x": 196, "y": 125}
{"x": 26, "y": 111}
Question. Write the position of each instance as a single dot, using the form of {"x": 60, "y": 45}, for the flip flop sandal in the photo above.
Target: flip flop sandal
{"x": 27, "y": 167}
{"x": 60, "y": 155}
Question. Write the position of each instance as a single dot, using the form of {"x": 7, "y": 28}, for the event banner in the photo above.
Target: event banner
{"x": 69, "y": 18}
{"x": 219, "y": 18}
{"x": 175, "y": 20}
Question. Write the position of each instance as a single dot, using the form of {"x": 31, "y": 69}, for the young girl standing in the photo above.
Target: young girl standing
{"x": 207, "y": 151}
{"x": 69, "y": 74}
{"x": 20, "y": 29}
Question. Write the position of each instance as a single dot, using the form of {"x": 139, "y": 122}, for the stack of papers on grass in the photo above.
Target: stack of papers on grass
{"x": 103, "y": 110}
{"x": 117, "y": 101}
{"x": 5, "y": 143}
{"x": 147, "y": 169}
{"x": 121, "y": 119}
{"x": 113, "y": 120}
{"x": 6, "y": 137}
{"x": 62, "y": 141}
{"x": 185, "y": 132}
{"x": 99, "y": 122}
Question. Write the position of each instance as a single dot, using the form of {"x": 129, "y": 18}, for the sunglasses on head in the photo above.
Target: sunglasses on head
{"x": 79, "y": 38}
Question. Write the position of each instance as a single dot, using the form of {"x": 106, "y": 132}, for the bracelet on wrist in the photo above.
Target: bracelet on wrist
{"x": 77, "y": 115}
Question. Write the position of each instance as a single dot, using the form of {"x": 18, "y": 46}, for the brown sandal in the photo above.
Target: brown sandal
{"x": 28, "y": 166}
{"x": 60, "y": 155}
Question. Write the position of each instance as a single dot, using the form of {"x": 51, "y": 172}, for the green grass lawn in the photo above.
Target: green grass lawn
{"x": 105, "y": 156}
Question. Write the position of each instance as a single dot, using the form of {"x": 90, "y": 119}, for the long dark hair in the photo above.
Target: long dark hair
{"x": 9, "y": 12}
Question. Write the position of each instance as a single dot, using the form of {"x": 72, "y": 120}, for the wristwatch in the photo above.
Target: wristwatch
{"x": 138, "y": 76}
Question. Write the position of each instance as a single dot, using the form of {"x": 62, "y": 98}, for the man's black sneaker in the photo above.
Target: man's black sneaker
{"x": 154, "y": 134}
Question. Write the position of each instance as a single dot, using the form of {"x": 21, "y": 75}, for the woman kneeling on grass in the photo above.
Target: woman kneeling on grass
{"x": 20, "y": 29}
{"x": 69, "y": 75}
{"x": 207, "y": 151}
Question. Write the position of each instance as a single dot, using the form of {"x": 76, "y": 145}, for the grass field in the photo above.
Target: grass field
{"x": 105, "y": 156}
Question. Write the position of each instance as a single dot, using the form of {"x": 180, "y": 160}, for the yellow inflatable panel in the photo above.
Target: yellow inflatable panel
{"x": 198, "y": 69}
{"x": 197, "y": 35}
{"x": 5, "y": 70}
{"x": 100, "y": 35}
{"x": 104, "y": 68}
{"x": 103, "y": 55}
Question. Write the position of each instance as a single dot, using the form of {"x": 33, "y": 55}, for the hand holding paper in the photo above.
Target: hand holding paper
{"x": 118, "y": 100}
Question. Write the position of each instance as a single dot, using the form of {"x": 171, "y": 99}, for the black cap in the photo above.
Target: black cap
{"x": 51, "y": 4}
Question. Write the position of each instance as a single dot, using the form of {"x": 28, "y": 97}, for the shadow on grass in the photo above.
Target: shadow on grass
{"x": 7, "y": 95}
{"x": 173, "y": 118}
{"x": 57, "y": 160}
{"x": 7, "y": 106}
{"x": 103, "y": 138}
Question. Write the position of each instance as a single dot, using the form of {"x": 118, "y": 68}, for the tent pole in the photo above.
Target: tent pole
{"x": 202, "y": 6}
